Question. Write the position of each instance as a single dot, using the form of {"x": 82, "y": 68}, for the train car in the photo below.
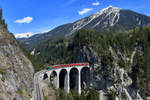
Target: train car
{"x": 66, "y": 65}
{"x": 49, "y": 67}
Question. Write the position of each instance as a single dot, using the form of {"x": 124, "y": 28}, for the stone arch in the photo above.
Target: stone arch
{"x": 63, "y": 79}
{"x": 74, "y": 79}
{"x": 45, "y": 76}
{"x": 85, "y": 77}
{"x": 53, "y": 78}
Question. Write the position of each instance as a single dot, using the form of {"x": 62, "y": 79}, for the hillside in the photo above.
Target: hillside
{"x": 110, "y": 56}
{"x": 16, "y": 71}
{"x": 110, "y": 19}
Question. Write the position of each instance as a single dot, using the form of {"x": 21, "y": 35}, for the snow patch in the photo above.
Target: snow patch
{"x": 117, "y": 15}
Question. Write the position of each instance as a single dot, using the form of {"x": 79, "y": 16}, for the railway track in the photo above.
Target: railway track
{"x": 37, "y": 91}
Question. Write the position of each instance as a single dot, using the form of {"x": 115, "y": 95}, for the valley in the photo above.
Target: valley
{"x": 104, "y": 56}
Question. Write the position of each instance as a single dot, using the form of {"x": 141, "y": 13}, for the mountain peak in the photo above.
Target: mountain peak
{"x": 112, "y": 7}
{"x": 109, "y": 9}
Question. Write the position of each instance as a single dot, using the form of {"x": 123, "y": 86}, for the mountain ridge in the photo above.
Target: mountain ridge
{"x": 108, "y": 19}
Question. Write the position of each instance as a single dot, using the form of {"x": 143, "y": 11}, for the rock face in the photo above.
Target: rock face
{"x": 16, "y": 71}
{"x": 109, "y": 79}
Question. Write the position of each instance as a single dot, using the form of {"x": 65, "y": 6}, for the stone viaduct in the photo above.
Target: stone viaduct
{"x": 69, "y": 77}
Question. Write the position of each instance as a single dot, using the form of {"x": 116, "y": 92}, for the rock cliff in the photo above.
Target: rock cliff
{"x": 110, "y": 79}
{"x": 16, "y": 71}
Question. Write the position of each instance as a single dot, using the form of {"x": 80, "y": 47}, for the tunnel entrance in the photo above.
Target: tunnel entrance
{"x": 85, "y": 78}
{"x": 53, "y": 78}
{"x": 74, "y": 79}
{"x": 63, "y": 79}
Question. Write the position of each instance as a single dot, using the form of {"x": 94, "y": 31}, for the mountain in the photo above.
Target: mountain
{"x": 16, "y": 71}
{"x": 23, "y": 35}
{"x": 108, "y": 19}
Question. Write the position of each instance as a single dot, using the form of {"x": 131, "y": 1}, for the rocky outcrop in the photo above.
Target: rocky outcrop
{"x": 16, "y": 71}
{"x": 86, "y": 54}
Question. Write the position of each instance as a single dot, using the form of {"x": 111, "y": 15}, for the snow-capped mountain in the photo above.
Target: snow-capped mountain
{"x": 110, "y": 13}
{"x": 108, "y": 19}
{"x": 23, "y": 35}
{"x": 112, "y": 18}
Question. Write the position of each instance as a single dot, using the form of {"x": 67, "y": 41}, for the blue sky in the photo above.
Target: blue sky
{"x": 42, "y": 15}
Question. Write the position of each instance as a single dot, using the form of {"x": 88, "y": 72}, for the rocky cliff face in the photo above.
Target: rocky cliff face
{"x": 16, "y": 71}
{"x": 112, "y": 80}
{"x": 103, "y": 78}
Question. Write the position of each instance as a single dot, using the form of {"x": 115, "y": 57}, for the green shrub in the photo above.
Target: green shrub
{"x": 88, "y": 94}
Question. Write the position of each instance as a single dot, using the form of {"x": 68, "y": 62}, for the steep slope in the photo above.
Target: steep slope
{"x": 16, "y": 71}
{"x": 108, "y": 19}
{"x": 105, "y": 18}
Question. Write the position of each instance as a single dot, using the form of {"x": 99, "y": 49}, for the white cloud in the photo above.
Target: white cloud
{"x": 84, "y": 11}
{"x": 96, "y": 3}
{"x": 24, "y": 20}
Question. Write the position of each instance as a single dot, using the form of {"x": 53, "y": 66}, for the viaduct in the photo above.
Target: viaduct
{"x": 69, "y": 77}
